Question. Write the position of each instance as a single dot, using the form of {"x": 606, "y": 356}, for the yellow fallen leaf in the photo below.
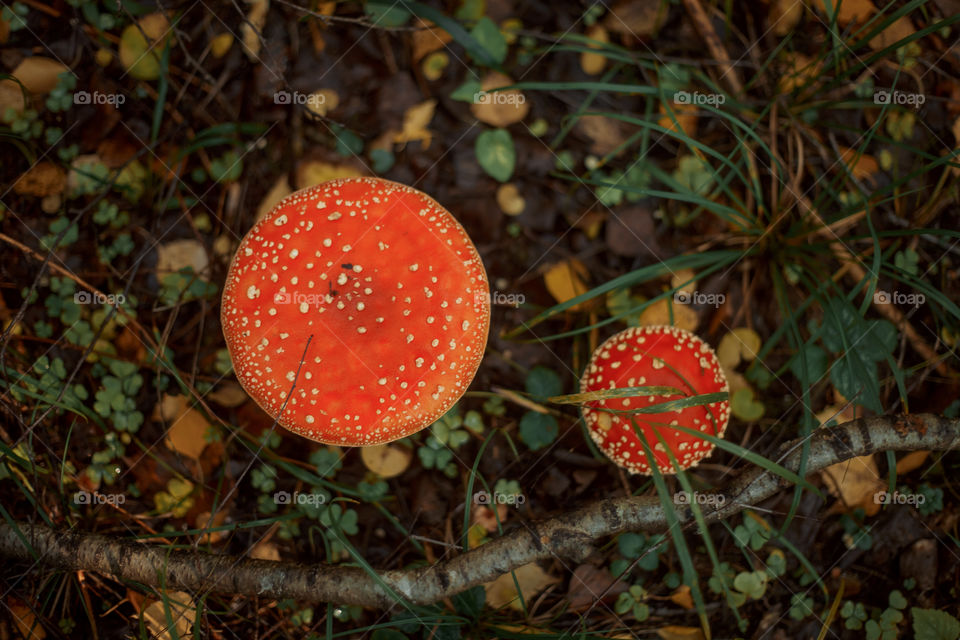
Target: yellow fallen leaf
{"x": 742, "y": 343}
{"x": 593, "y": 63}
{"x": 322, "y": 102}
{"x": 187, "y": 426}
{"x": 220, "y": 45}
{"x": 682, "y": 597}
{"x": 499, "y": 108}
{"x": 684, "y": 276}
{"x": 428, "y": 38}
{"x": 434, "y": 65}
{"x": 476, "y": 535}
{"x": 313, "y": 172}
{"x": 659, "y": 313}
{"x": 178, "y": 254}
{"x": 565, "y": 280}
{"x": 415, "y": 121}
{"x": 38, "y": 74}
{"x": 735, "y": 379}
{"x": 386, "y": 460}
{"x": 140, "y": 56}
{"x": 855, "y": 482}
{"x": 680, "y": 633}
{"x": 251, "y": 29}
{"x": 509, "y": 199}
{"x": 181, "y": 608}
{"x": 503, "y": 591}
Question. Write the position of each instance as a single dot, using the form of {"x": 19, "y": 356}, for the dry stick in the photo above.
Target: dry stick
{"x": 568, "y": 535}
{"x": 701, "y": 21}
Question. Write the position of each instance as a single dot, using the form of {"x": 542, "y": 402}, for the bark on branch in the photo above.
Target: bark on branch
{"x": 569, "y": 535}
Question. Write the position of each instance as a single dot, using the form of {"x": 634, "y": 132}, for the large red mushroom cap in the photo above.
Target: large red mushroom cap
{"x": 648, "y": 357}
{"x": 393, "y": 292}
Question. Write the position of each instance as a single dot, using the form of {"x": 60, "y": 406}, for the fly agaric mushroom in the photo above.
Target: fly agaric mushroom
{"x": 393, "y": 292}
{"x": 646, "y": 357}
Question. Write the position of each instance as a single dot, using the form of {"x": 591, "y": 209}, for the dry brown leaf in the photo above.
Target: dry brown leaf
{"x": 784, "y": 16}
{"x": 429, "y": 39}
{"x": 659, "y": 313}
{"x": 593, "y": 63}
{"x": 638, "y": 18}
{"x": 911, "y": 461}
{"x": 566, "y": 280}
{"x": 252, "y": 28}
{"x": 11, "y": 97}
{"x": 686, "y": 115}
{"x": 265, "y": 550}
{"x": 229, "y": 394}
{"x": 39, "y": 74}
{"x": 386, "y": 460}
{"x": 415, "y": 121}
{"x": 26, "y": 622}
{"x": 183, "y": 611}
{"x": 178, "y": 254}
{"x": 800, "y": 69}
{"x": 850, "y": 10}
{"x": 897, "y": 30}
{"x": 41, "y": 180}
{"x": 486, "y": 518}
{"x": 680, "y": 633}
{"x": 499, "y": 108}
{"x": 605, "y": 134}
{"x": 187, "y": 426}
{"x": 855, "y": 482}
{"x": 839, "y": 412}
{"x": 202, "y": 521}
{"x": 503, "y": 592}
{"x": 588, "y": 582}
{"x": 862, "y": 167}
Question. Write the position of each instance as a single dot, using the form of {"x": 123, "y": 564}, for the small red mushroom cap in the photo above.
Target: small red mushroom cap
{"x": 393, "y": 292}
{"x": 648, "y": 357}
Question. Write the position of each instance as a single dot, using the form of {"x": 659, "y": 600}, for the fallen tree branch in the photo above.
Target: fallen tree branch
{"x": 568, "y": 535}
